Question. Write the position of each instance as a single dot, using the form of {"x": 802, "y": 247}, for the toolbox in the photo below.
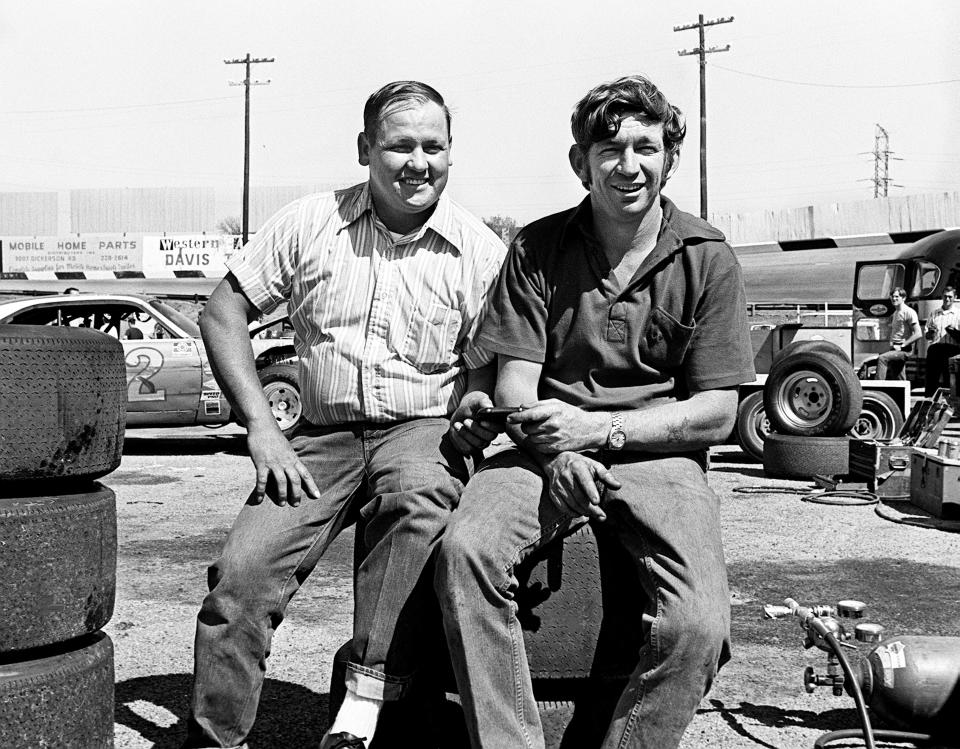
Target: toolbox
{"x": 935, "y": 484}
{"x": 885, "y": 465}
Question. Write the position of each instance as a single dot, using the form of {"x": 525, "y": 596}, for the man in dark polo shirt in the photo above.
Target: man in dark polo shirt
{"x": 620, "y": 328}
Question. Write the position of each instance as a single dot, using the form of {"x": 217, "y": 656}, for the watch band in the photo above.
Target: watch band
{"x": 617, "y": 437}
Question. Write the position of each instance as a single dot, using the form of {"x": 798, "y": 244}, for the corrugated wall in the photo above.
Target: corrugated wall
{"x": 201, "y": 209}
{"x": 183, "y": 209}
{"x": 29, "y": 213}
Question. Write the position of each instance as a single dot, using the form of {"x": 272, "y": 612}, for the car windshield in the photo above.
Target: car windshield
{"x": 188, "y": 325}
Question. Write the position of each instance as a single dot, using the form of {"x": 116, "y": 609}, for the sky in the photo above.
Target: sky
{"x": 128, "y": 93}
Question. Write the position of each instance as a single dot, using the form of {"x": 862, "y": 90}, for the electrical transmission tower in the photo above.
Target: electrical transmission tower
{"x": 702, "y": 52}
{"x": 247, "y": 83}
{"x": 881, "y": 163}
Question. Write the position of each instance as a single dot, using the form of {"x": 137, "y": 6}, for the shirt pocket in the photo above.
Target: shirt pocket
{"x": 431, "y": 337}
{"x": 665, "y": 340}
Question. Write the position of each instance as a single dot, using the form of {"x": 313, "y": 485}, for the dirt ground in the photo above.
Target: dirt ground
{"x": 178, "y": 491}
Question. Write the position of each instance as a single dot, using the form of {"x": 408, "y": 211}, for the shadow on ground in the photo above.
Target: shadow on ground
{"x": 290, "y": 716}
{"x": 776, "y": 717}
{"x": 178, "y": 444}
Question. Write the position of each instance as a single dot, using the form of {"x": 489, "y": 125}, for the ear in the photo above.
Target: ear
{"x": 449, "y": 152}
{"x": 363, "y": 150}
{"x": 578, "y": 162}
{"x": 671, "y": 167}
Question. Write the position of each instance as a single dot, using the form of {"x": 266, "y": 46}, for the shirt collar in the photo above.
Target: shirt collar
{"x": 441, "y": 220}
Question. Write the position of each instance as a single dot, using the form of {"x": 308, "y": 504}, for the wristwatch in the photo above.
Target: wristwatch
{"x": 617, "y": 437}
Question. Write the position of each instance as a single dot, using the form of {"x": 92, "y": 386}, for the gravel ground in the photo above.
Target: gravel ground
{"x": 178, "y": 491}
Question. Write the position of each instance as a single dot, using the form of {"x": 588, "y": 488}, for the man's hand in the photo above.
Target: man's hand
{"x": 577, "y": 484}
{"x": 278, "y": 467}
{"x": 552, "y": 427}
{"x": 466, "y": 433}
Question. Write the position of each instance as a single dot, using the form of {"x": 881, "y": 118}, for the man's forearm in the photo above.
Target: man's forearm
{"x": 705, "y": 419}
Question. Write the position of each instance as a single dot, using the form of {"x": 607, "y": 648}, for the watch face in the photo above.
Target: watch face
{"x": 617, "y": 440}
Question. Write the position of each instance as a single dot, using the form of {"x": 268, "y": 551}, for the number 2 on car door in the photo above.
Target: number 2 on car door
{"x": 142, "y": 365}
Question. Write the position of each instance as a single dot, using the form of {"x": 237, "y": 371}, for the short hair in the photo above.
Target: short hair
{"x": 948, "y": 289}
{"x": 598, "y": 114}
{"x": 899, "y": 290}
{"x": 394, "y": 93}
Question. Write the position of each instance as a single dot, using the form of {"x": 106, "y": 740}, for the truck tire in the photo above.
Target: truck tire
{"x": 281, "y": 386}
{"x": 787, "y": 456}
{"x": 879, "y": 419}
{"x": 753, "y": 426}
{"x": 819, "y": 345}
{"x": 63, "y": 401}
{"x": 59, "y": 557}
{"x": 812, "y": 394}
{"x": 60, "y": 697}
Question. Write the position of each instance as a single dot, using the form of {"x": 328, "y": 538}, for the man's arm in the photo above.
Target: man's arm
{"x": 466, "y": 433}
{"x": 916, "y": 333}
{"x": 574, "y": 481}
{"x": 227, "y": 341}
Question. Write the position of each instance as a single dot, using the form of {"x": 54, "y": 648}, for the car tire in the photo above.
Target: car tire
{"x": 818, "y": 345}
{"x": 63, "y": 401}
{"x": 59, "y": 697}
{"x": 281, "y": 386}
{"x": 59, "y": 559}
{"x": 753, "y": 426}
{"x": 879, "y": 419}
{"x": 812, "y": 394}
{"x": 788, "y": 456}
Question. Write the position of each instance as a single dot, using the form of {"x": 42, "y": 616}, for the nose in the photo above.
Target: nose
{"x": 629, "y": 163}
{"x": 418, "y": 160}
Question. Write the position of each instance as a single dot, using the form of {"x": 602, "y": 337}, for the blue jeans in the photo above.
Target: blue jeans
{"x": 891, "y": 365}
{"x": 403, "y": 479}
{"x": 667, "y": 519}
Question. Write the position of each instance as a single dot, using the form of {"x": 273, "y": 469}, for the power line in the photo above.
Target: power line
{"x": 838, "y": 85}
{"x": 881, "y": 163}
{"x": 702, "y": 52}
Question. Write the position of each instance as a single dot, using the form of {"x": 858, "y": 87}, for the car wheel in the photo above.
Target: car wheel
{"x": 59, "y": 566}
{"x": 753, "y": 426}
{"x": 60, "y": 697}
{"x": 812, "y": 394}
{"x": 63, "y": 401}
{"x": 818, "y": 345}
{"x": 281, "y": 386}
{"x": 879, "y": 419}
{"x": 788, "y": 456}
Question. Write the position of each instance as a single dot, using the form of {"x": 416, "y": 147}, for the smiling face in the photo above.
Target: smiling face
{"x": 409, "y": 159}
{"x": 624, "y": 173}
{"x": 949, "y": 297}
{"x": 897, "y": 299}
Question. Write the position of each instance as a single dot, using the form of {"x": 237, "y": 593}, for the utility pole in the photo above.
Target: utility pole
{"x": 881, "y": 163}
{"x": 702, "y": 52}
{"x": 247, "y": 83}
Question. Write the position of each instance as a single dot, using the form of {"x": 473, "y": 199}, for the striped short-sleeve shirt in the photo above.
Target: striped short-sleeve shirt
{"x": 384, "y": 327}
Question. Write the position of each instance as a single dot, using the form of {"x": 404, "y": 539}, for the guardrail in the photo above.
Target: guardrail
{"x": 802, "y": 310}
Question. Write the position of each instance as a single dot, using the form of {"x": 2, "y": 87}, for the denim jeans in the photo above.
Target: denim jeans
{"x": 403, "y": 479}
{"x": 667, "y": 519}
{"x": 891, "y": 365}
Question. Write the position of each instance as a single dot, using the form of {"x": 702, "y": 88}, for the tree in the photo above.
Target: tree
{"x": 503, "y": 226}
{"x": 230, "y": 225}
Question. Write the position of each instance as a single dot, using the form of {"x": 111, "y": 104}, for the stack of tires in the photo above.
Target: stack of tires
{"x": 811, "y": 399}
{"x": 62, "y": 419}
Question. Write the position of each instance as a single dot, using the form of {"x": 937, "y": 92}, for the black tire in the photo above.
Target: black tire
{"x": 63, "y": 403}
{"x": 59, "y": 557}
{"x": 281, "y": 386}
{"x": 812, "y": 394}
{"x": 753, "y": 426}
{"x": 818, "y": 345}
{"x": 787, "y": 456}
{"x": 60, "y": 697}
{"x": 879, "y": 419}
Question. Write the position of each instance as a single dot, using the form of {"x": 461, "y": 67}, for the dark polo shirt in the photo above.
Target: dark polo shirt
{"x": 678, "y": 327}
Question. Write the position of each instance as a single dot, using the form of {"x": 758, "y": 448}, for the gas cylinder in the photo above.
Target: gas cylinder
{"x": 913, "y": 682}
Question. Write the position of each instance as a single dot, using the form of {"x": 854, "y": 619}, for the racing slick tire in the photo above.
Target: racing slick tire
{"x": 879, "y": 419}
{"x": 788, "y": 456}
{"x": 58, "y": 554}
{"x": 812, "y": 394}
{"x": 753, "y": 426}
{"x": 60, "y": 697}
{"x": 281, "y": 386}
{"x": 63, "y": 403}
{"x": 810, "y": 344}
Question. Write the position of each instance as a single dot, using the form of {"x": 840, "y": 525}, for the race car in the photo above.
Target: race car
{"x": 169, "y": 378}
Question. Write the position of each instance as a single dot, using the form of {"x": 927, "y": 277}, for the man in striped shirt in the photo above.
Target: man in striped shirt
{"x": 385, "y": 285}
